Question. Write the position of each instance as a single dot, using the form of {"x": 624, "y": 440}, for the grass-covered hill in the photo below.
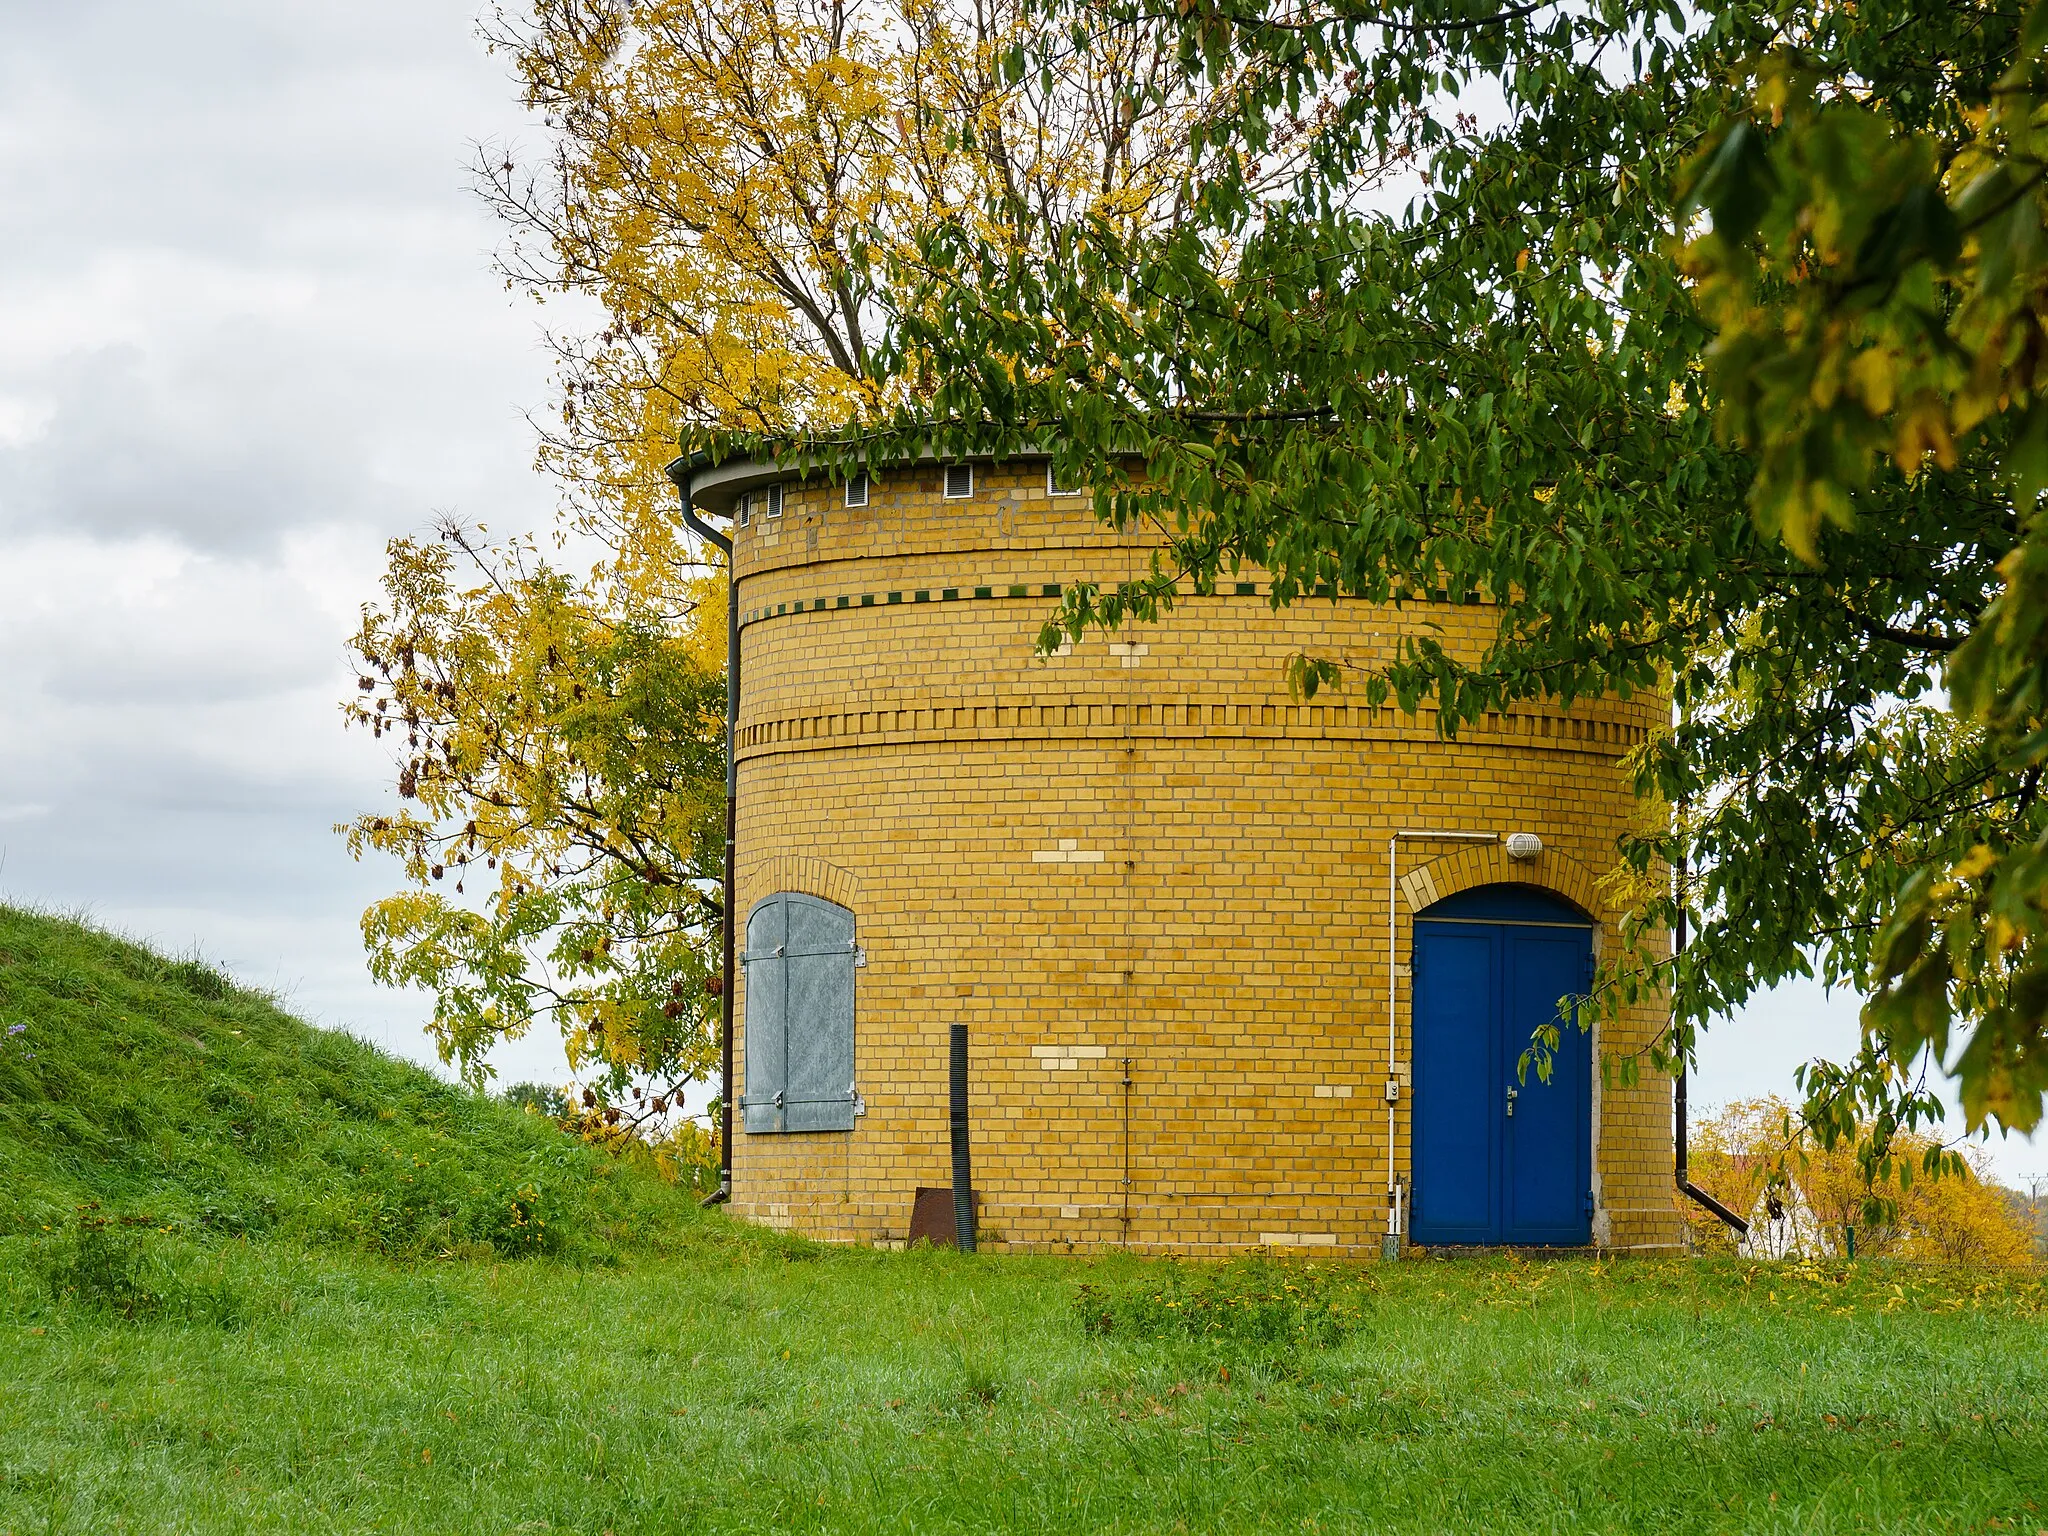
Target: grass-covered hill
{"x": 154, "y": 1091}
{"x": 292, "y": 1356}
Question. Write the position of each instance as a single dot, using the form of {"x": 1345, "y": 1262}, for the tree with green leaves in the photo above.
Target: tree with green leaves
{"x": 1700, "y": 343}
{"x": 561, "y": 750}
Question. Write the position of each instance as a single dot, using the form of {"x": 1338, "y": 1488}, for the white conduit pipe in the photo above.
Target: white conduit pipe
{"x": 1395, "y": 1222}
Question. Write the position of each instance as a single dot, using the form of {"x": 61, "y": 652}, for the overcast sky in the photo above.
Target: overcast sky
{"x": 248, "y": 332}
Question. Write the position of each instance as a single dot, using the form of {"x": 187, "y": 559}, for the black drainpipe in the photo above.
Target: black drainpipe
{"x": 1686, "y": 1186}
{"x": 963, "y": 1159}
{"x": 679, "y": 472}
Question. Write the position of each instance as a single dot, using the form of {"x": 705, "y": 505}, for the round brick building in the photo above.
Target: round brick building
{"x": 1157, "y": 890}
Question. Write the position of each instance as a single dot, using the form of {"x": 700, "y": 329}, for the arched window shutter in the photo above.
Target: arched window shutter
{"x": 798, "y": 1025}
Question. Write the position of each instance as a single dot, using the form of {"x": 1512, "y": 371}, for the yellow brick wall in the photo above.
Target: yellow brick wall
{"x": 1152, "y": 884}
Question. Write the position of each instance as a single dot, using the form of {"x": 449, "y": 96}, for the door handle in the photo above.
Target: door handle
{"x": 1513, "y": 1094}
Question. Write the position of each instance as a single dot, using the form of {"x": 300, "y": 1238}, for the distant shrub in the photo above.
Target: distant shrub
{"x": 110, "y": 1264}
{"x": 1278, "y": 1305}
{"x": 674, "y": 1147}
{"x": 688, "y": 1155}
{"x": 542, "y": 1099}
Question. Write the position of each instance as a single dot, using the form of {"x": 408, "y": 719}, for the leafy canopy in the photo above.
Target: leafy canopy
{"x": 1699, "y": 343}
{"x": 740, "y": 189}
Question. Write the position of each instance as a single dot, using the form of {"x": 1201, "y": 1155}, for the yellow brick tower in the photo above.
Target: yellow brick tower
{"x": 1154, "y": 887}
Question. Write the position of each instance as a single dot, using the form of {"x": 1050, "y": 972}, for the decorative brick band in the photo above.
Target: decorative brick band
{"x": 999, "y": 719}
{"x": 1005, "y": 590}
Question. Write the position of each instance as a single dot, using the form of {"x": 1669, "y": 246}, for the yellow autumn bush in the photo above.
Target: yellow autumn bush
{"x": 1804, "y": 1198}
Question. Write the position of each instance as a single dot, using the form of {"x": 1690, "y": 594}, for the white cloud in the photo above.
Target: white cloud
{"x": 250, "y": 334}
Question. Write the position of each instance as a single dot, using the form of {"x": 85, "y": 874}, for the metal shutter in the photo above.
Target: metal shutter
{"x": 798, "y": 1027}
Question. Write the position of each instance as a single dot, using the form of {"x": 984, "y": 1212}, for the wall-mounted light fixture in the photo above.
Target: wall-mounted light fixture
{"x": 1523, "y": 846}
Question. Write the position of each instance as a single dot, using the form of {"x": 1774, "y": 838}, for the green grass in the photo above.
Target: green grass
{"x": 711, "y": 1378}
{"x": 746, "y": 1389}
{"x": 160, "y": 1092}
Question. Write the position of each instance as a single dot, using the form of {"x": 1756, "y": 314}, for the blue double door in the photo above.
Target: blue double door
{"x": 1499, "y": 1157}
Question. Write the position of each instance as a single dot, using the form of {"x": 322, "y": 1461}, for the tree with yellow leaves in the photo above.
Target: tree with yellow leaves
{"x": 564, "y": 755}
{"x": 741, "y": 187}
{"x": 1806, "y": 1197}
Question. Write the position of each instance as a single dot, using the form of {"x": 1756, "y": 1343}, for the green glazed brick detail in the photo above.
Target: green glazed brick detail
{"x": 1042, "y": 589}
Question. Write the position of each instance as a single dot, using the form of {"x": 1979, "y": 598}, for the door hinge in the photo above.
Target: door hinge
{"x": 1589, "y": 1202}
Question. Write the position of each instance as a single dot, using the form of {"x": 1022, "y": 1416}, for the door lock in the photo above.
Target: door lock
{"x": 1513, "y": 1094}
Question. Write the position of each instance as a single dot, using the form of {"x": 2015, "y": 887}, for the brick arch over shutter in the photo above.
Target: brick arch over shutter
{"x": 811, "y": 876}
{"x": 1489, "y": 864}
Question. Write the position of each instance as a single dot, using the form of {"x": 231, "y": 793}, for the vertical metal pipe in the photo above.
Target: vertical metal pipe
{"x": 1679, "y": 1168}
{"x": 1393, "y": 1071}
{"x": 730, "y": 991}
{"x": 963, "y": 1162}
{"x": 1678, "y": 1086}
{"x": 681, "y": 474}
{"x": 1127, "y": 1154}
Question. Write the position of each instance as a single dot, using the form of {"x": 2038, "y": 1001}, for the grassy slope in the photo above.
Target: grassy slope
{"x": 155, "y": 1088}
{"x": 734, "y": 1382}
